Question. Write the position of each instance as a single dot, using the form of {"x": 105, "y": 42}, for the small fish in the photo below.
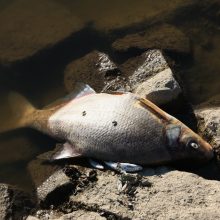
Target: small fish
{"x": 119, "y": 127}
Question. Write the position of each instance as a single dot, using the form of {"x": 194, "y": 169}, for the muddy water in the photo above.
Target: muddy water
{"x": 39, "y": 75}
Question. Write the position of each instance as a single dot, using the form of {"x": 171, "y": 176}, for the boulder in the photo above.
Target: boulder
{"x": 95, "y": 69}
{"x": 147, "y": 75}
{"x": 151, "y": 62}
{"x": 208, "y": 124}
{"x": 160, "y": 89}
{"x": 153, "y": 79}
{"x": 14, "y": 203}
{"x": 164, "y": 37}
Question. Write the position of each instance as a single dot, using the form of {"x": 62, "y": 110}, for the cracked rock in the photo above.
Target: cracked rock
{"x": 152, "y": 63}
{"x": 95, "y": 69}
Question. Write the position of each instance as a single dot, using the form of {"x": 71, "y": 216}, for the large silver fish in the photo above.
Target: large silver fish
{"x": 120, "y": 127}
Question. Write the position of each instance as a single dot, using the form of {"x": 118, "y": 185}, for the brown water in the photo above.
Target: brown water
{"x": 39, "y": 38}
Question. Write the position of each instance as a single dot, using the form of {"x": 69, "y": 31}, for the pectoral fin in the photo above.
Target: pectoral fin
{"x": 66, "y": 151}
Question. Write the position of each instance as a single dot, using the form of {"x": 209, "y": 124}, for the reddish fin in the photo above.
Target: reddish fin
{"x": 154, "y": 109}
{"x": 80, "y": 90}
{"x": 67, "y": 151}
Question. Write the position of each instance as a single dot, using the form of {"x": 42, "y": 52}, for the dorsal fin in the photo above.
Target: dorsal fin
{"x": 154, "y": 109}
{"x": 80, "y": 90}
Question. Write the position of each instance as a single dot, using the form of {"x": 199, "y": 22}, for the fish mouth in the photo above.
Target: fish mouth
{"x": 209, "y": 151}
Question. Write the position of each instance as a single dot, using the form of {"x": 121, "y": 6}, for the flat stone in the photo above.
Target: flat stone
{"x": 164, "y": 37}
{"x": 160, "y": 89}
{"x": 28, "y": 27}
{"x": 14, "y": 203}
{"x": 95, "y": 69}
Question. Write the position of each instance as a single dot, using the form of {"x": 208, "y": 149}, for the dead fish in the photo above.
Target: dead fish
{"x": 120, "y": 127}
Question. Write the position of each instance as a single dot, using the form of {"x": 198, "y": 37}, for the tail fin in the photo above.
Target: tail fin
{"x": 20, "y": 110}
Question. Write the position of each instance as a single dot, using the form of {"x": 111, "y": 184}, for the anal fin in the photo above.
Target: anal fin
{"x": 66, "y": 151}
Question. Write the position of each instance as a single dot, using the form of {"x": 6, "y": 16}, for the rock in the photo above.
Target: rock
{"x": 95, "y": 68}
{"x": 153, "y": 79}
{"x": 208, "y": 124}
{"x": 171, "y": 195}
{"x": 147, "y": 75}
{"x": 55, "y": 189}
{"x": 160, "y": 89}
{"x": 152, "y": 63}
{"x": 29, "y": 27}
{"x": 39, "y": 171}
{"x": 164, "y": 37}
{"x": 14, "y": 203}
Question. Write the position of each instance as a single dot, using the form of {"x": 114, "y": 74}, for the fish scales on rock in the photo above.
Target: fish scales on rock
{"x": 120, "y": 127}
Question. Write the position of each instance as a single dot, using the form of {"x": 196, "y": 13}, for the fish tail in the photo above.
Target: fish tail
{"x": 21, "y": 111}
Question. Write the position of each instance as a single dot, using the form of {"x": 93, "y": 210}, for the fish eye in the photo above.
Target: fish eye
{"x": 193, "y": 144}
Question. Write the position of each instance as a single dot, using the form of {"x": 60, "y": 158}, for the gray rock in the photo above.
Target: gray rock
{"x": 164, "y": 37}
{"x": 147, "y": 75}
{"x": 152, "y": 63}
{"x": 153, "y": 79}
{"x": 208, "y": 124}
{"x": 95, "y": 68}
{"x": 14, "y": 203}
{"x": 160, "y": 89}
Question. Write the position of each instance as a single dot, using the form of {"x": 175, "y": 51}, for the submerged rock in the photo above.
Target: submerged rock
{"x": 14, "y": 203}
{"x": 95, "y": 69}
{"x": 164, "y": 37}
{"x": 28, "y": 27}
